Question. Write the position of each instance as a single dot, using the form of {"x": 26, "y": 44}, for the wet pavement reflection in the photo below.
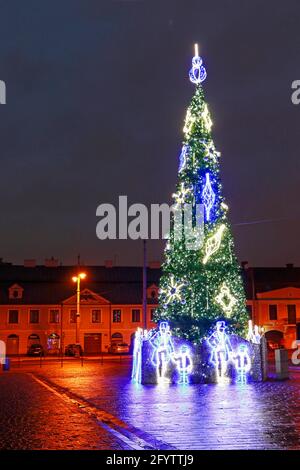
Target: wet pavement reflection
{"x": 242, "y": 416}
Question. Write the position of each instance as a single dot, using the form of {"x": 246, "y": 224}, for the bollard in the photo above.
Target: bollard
{"x": 264, "y": 357}
{"x": 281, "y": 364}
{"x": 6, "y": 365}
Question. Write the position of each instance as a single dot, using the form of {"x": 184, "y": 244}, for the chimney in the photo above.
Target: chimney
{"x": 154, "y": 264}
{"x": 108, "y": 263}
{"x": 290, "y": 265}
{"x": 29, "y": 263}
{"x": 51, "y": 262}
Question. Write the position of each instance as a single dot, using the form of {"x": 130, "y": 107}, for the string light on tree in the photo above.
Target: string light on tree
{"x": 206, "y": 119}
{"x": 224, "y": 206}
{"x": 226, "y": 299}
{"x": 213, "y": 243}
{"x": 199, "y": 183}
{"x": 189, "y": 123}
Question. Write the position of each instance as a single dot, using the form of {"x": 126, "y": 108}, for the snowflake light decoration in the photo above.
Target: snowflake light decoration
{"x": 173, "y": 290}
{"x": 210, "y": 151}
{"x": 226, "y": 299}
{"x": 182, "y": 193}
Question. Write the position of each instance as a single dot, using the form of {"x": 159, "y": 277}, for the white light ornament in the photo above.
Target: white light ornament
{"x": 224, "y": 206}
{"x": 182, "y": 193}
{"x": 189, "y": 122}
{"x": 139, "y": 336}
{"x": 183, "y": 157}
{"x": 242, "y": 363}
{"x": 226, "y": 300}
{"x": 210, "y": 151}
{"x": 253, "y": 334}
{"x": 197, "y": 73}
{"x": 213, "y": 243}
{"x": 206, "y": 118}
{"x": 184, "y": 364}
{"x": 208, "y": 196}
{"x": 163, "y": 350}
{"x": 173, "y": 291}
{"x": 221, "y": 350}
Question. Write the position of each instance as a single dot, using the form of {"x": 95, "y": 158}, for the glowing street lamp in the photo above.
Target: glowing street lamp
{"x": 77, "y": 279}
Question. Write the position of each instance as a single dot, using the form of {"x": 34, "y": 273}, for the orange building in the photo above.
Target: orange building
{"x": 273, "y": 302}
{"x": 38, "y": 305}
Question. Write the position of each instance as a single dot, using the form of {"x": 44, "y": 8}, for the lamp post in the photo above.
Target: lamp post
{"x": 77, "y": 279}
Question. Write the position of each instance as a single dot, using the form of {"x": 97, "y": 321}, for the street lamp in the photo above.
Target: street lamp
{"x": 77, "y": 279}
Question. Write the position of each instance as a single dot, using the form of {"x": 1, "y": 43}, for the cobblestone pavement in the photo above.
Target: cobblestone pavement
{"x": 32, "y": 417}
{"x": 254, "y": 416}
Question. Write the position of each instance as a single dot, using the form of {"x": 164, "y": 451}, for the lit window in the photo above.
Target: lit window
{"x": 73, "y": 316}
{"x": 116, "y": 316}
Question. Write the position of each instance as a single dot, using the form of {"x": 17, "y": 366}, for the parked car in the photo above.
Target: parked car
{"x": 119, "y": 348}
{"x": 73, "y": 350}
{"x": 35, "y": 350}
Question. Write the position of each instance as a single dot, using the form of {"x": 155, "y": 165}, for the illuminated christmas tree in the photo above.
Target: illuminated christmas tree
{"x": 202, "y": 284}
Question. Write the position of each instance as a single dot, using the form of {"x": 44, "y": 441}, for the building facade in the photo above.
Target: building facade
{"x": 273, "y": 302}
{"x": 38, "y": 305}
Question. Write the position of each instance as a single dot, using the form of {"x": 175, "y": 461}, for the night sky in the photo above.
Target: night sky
{"x": 97, "y": 92}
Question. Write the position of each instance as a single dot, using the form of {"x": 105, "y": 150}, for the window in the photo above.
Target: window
{"x": 152, "y": 292}
{"x": 15, "y": 292}
{"x": 291, "y": 314}
{"x": 13, "y": 316}
{"x": 73, "y": 314}
{"x": 116, "y": 338}
{"x": 136, "y": 315}
{"x": 273, "y": 312}
{"x": 96, "y": 316}
{"x": 116, "y": 316}
{"x": 34, "y": 316}
{"x": 152, "y": 312}
{"x": 54, "y": 316}
{"x": 249, "y": 311}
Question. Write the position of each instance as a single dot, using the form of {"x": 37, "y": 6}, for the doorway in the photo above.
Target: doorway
{"x": 92, "y": 343}
{"x": 12, "y": 345}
